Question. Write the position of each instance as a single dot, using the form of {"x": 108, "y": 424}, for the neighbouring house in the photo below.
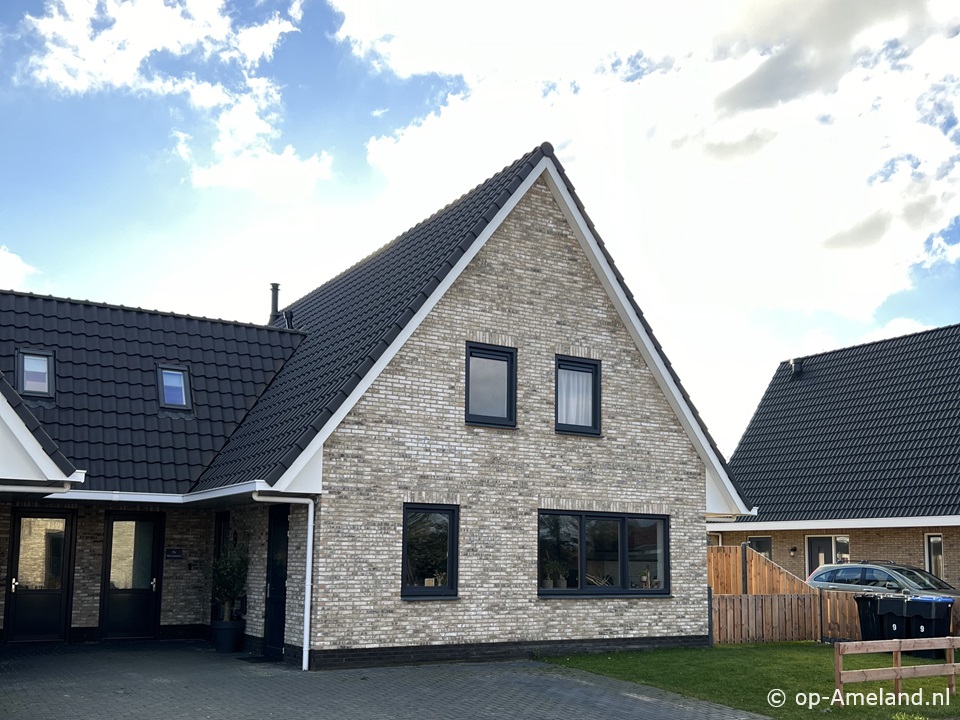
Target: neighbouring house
{"x": 854, "y": 454}
{"x": 467, "y": 445}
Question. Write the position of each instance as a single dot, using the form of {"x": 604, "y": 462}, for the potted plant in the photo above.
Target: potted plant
{"x": 229, "y": 585}
{"x": 555, "y": 567}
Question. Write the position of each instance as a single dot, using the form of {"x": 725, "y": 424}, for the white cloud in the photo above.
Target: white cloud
{"x": 277, "y": 175}
{"x": 14, "y": 272}
{"x": 103, "y": 45}
{"x": 257, "y": 42}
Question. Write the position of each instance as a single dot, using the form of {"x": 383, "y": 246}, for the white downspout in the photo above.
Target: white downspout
{"x": 308, "y": 571}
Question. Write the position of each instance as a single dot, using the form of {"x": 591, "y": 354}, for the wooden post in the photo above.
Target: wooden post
{"x": 710, "y": 615}
{"x": 952, "y": 680}
{"x": 897, "y": 681}
{"x": 820, "y": 608}
{"x": 744, "y": 546}
{"x": 838, "y": 669}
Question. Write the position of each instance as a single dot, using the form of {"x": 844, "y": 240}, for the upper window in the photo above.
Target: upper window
{"x": 35, "y": 373}
{"x": 582, "y": 553}
{"x": 174, "y": 386}
{"x": 491, "y": 385}
{"x": 430, "y": 550}
{"x": 578, "y": 395}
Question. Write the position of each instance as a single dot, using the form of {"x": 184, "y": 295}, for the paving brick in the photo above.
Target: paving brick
{"x": 187, "y": 679}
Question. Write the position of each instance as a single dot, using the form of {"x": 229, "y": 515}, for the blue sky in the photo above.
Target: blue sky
{"x": 773, "y": 178}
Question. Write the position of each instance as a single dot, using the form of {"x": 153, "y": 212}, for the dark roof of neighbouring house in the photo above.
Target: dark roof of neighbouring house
{"x": 105, "y": 416}
{"x": 352, "y": 320}
{"x": 871, "y": 431}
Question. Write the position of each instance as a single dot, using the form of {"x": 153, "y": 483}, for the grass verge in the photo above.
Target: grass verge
{"x": 742, "y": 676}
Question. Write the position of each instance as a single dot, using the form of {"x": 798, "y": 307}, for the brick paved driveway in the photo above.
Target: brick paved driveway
{"x": 187, "y": 679}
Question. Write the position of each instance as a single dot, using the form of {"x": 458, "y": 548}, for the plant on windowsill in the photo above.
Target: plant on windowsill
{"x": 229, "y": 585}
{"x": 551, "y": 568}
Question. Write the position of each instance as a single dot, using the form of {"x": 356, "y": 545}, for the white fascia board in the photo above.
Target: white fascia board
{"x": 245, "y": 488}
{"x": 314, "y": 483}
{"x": 723, "y": 492}
{"x": 163, "y": 498}
{"x": 24, "y": 455}
{"x": 839, "y": 524}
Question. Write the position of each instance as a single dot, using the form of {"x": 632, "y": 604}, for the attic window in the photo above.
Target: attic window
{"x": 174, "y": 386}
{"x": 491, "y": 385}
{"x": 578, "y": 395}
{"x": 35, "y": 373}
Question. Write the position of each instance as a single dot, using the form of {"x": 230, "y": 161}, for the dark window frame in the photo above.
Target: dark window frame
{"x": 503, "y": 354}
{"x": 584, "y": 365}
{"x": 47, "y": 355}
{"x": 414, "y": 592}
{"x": 584, "y": 590}
{"x": 187, "y": 387}
{"x": 768, "y": 554}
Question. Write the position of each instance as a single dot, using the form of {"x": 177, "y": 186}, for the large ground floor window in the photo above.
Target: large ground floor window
{"x": 602, "y": 553}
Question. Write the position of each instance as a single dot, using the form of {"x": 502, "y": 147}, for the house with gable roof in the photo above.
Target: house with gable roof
{"x": 854, "y": 454}
{"x": 470, "y": 444}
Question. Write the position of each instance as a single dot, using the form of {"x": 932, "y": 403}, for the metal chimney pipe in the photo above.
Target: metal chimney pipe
{"x": 274, "y": 303}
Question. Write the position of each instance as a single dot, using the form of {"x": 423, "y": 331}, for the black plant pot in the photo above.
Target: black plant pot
{"x": 227, "y": 635}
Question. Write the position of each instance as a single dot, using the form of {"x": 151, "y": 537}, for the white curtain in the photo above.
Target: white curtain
{"x": 575, "y": 398}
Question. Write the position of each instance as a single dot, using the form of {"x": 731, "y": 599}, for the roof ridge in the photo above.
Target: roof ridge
{"x": 128, "y": 308}
{"x": 916, "y": 334}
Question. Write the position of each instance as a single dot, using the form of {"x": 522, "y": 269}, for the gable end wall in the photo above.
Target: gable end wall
{"x": 531, "y": 287}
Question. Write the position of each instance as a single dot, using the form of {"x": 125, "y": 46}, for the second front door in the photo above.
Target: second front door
{"x": 130, "y": 606}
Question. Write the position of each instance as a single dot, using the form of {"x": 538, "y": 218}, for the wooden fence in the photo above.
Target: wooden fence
{"x": 897, "y": 673}
{"x": 817, "y": 615}
{"x": 726, "y": 572}
{"x": 756, "y": 600}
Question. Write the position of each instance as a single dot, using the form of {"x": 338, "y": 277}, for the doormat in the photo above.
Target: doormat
{"x": 258, "y": 659}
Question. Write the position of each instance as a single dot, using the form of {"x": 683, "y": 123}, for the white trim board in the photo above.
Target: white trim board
{"x": 305, "y": 473}
{"x": 838, "y": 524}
{"x": 163, "y": 498}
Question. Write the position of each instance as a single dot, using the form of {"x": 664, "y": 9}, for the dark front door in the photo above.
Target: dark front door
{"x": 131, "y": 595}
{"x": 38, "y": 593}
{"x": 276, "y": 580}
{"x": 819, "y": 552}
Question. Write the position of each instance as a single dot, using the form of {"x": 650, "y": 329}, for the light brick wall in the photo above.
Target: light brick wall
{"x": 296, "y": 567}
{"x": 531, "y": 287}
{"x": 901, "y": 545}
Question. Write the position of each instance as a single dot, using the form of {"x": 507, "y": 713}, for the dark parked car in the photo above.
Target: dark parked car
{"x": 880, "y": 577}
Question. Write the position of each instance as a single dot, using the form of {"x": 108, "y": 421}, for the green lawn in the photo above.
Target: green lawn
{"x": 741, "y": 676}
